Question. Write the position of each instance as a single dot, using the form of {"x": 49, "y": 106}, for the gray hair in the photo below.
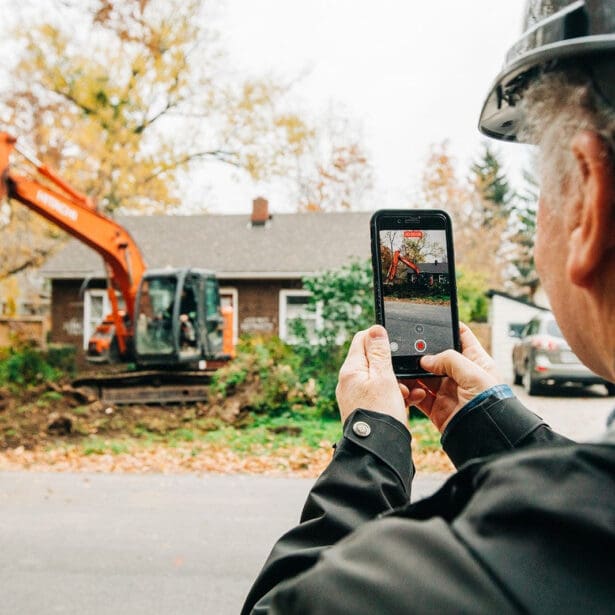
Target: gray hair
{"x": 555, "y": 107}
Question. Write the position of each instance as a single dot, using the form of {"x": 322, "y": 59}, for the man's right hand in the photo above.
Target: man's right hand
{"x": 465, "y": 375}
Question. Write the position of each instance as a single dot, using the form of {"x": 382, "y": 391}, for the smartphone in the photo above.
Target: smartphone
{"x": 414, "y": 284}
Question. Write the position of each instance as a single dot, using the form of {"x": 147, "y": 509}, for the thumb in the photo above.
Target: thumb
{"x": 459, "y": 368}
{"x": 377, "y": 348}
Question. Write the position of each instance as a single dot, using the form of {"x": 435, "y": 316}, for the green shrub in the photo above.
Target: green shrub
{"x": 471, "y": 288}
{"x": 344, "y": 301}
{"x": 277, "y": 378}
{"x": 62, "y": 357}
{"x": 24, "y": 366}
{"x": 267, "y": 372}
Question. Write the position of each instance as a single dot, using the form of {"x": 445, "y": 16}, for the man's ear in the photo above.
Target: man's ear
{"x": 592, "y": 226}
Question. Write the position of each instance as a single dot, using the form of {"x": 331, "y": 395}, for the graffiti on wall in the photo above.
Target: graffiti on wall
{"x": 73, "y": 327}
{"x": 257, "y": 324}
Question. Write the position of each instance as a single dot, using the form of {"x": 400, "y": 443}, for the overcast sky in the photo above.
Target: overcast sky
{"x": 435, "y": 238}
{"x": 410, "y": 73}
{"x": 407, "y": 74}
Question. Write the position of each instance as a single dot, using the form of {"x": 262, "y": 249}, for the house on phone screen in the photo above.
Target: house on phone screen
{"x": 259, "y": 259}
{"x": 431, "y": 273}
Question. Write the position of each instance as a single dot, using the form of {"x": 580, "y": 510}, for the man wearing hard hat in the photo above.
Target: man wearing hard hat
{"x": 527, "y": 524}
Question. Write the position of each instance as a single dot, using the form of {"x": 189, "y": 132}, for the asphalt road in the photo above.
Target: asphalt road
{"x": 106, "y": 544}
{"x": 402, "y": 320}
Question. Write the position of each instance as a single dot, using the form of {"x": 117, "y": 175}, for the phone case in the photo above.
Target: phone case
{"x": 406, "y": 327}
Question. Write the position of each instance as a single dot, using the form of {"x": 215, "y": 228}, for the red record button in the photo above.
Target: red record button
{"x": 420, "y": 345}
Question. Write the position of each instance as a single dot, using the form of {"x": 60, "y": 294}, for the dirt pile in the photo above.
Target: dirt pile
{"x": 46, "y": 414}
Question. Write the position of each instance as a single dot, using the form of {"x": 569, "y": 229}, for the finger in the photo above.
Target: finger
{"x": 473, "y": 350}
{"x": 417, "y": 396}
{"x": 378, "y": 350}
{"x": 461, "y": 369}
{"x": 421, "y": 400}
{"x": 405, "y": 391}
{"x": 356, "y": 359}
{"x": 469, "y": 342}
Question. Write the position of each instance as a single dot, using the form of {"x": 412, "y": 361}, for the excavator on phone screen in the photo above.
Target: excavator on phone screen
{"x": 396, "y": 259}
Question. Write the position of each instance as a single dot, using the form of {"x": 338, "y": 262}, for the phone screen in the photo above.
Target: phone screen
{"x": 416, "y": 291}
{"x": 416, "y": 277}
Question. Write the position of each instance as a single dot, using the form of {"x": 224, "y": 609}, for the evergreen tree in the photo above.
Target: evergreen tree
{"x": 524, "y": 218}
{"x": 492, "y": 199}
{"x": 495, "y": 194}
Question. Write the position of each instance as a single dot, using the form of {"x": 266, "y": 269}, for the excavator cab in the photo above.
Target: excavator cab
{"x": 178, "y": 318}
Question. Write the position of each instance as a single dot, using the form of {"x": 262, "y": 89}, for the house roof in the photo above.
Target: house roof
{"x": 433, "y": 267}
{"x": 288, "y": 246}
{"x": 430, "y": 268}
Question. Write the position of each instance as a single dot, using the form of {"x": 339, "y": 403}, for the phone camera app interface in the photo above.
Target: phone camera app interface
{"x": 416, "y": 291}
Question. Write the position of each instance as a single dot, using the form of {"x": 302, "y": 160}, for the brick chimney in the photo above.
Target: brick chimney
{"x": 260, "y": 211}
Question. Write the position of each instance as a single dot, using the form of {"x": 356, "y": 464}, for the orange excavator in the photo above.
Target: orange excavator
{"x": 169, "y": 318}
{"x": 396, "y": 259}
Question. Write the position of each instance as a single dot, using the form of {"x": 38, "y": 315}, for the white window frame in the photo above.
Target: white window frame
{"x": 233, "y": 292}
{"x": 282, "y": 311}
{"x": 88, "y": 328}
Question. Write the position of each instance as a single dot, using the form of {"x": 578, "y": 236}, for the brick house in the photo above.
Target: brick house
{"x": 259, "y": 260}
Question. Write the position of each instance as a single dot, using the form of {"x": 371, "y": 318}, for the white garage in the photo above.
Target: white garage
{"x": 507, "y": 315}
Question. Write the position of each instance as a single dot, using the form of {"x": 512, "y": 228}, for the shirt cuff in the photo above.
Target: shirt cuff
{"x": 499, "y": 391}
{"x": 385, "y": 438}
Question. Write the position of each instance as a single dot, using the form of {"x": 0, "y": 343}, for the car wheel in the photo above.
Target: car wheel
{"x": 517, "y": 378}
{"x": 610, "y": 389}
{"x": 530, "y": 384}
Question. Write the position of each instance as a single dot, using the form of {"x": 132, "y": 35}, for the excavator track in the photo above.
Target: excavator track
{"x": 151, "y": 387}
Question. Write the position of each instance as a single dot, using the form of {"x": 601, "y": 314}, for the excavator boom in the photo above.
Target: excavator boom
{"x": 395, "y": 260}
{"x": 76, "y": 214}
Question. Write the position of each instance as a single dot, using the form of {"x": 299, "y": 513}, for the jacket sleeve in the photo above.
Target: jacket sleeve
{"x": 393, "y": 565}
{"x": 370, "y": 473}
{"x": 495, "y": 426}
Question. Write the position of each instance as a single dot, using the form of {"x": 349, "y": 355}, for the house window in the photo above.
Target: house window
{"x": 96, "y": 306}
{"x": 229, "y": 297}
{"x": 293, "y": 306}
{"x": 515, "y": 329}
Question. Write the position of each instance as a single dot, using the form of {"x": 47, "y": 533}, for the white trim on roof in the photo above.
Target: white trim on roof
{"x": 259, "y": 275}
{"x": 221, "y": 275}
{"x": 73, "y": 275}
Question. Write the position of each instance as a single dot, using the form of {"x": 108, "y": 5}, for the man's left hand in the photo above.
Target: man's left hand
{"x": 366, "y": 378}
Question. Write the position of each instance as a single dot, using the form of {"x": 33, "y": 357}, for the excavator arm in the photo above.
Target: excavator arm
{"x": 396, "y": 259}
{"x": 76, "y": 214}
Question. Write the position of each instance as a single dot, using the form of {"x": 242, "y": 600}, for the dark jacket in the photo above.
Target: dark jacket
{"x": 531, "y": 531}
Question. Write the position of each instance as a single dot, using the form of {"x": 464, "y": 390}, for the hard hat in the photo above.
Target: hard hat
{"x": 554, "y": 31}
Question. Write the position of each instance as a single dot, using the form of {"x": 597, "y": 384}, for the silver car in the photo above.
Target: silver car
{"x": 543, "y": 357}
